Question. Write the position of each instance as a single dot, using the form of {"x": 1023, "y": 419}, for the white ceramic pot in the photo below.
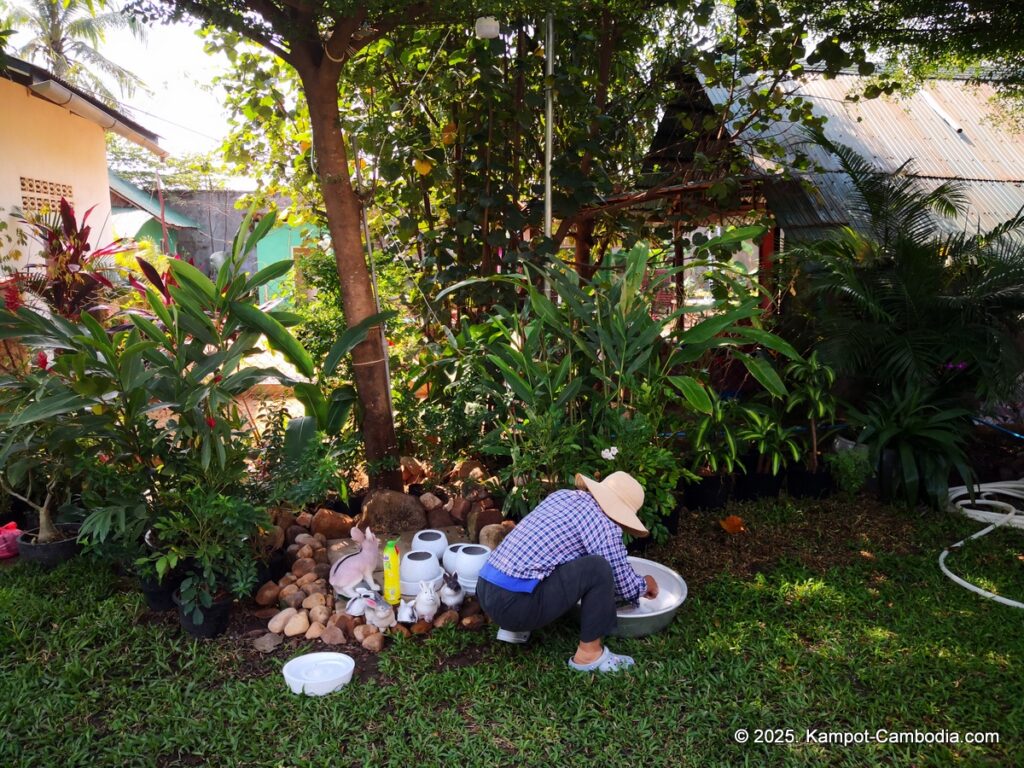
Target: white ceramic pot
{"x": 448, "y": 560}
{"x": 412, "y": 588}
{"x": 317, "y": 674}
{"x": 419, "y": 565}
{"x": 469, "y": 560}
{"x": 430, "y": 540}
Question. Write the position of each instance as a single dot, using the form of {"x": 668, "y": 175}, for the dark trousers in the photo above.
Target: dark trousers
{"x": 587, "y": 580}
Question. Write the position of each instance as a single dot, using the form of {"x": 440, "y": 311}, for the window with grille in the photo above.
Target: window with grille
{"x": 38, "y": 195}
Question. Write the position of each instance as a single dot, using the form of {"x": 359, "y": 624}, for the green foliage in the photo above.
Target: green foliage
{"x": 774, "y": 444}
{"x": 715, "y": 443}
{"x": 810, "y": 394}
{"x": 909, "y": 306}
{"x": 926, "y": 433}
{"x": 211, "y": 533}
{"x": 851, "y": 470}
{"x": 566, "y": 377}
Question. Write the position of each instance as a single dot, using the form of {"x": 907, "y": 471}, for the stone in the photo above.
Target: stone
{"x": 291, "y": 589}
{"x": 293, "y": 532}
{"x": 303, "y": 566}
{"x": 492, "y": 535}
{"x": 297, "y": 624}
{"x": 400, "y": 629}
{"x": 446, "y": 618}
{"x": 267, "y": 594}
{"x": 413, "y": 470}
{"x": 306, "y": 579}
{"x": 266, "y": 613}
{"x": 304, "y": 519}
{"x": 471, "y": 607}
{"x": 273, "y": 539}
{"x": 460, "y": 508}
{"x": 488, "y": 503}
{"x": 288, "y": 578}
{"x": 474, "y": 622}
{"x": 322, "y": 570}
{"x": 420, "y": 627}
{"x": 321, "y": 556}
{"x": 374, "y": 643}
{"x": 430, "y": 501}
{"x": 314, "y": 601}
{"x": 321, "y": 540}
{"x": 305, "y": 552}
{"x": 292, "y": 551}
{"x": 316, "y": 629}
{"x": 305, "y": 538}
{"x": 478, "y": 518}
{"x": 439, "y": 517}
{"x": 466, "y": 468}
{"x": 320, "y": 613}
{"x": 276, "y": 624}
{"x": 293, "y": 600}
{"x": 363, "y": 631}
{"x": 331, "y": 524}
{"x": 316, "y": 588}
{"x": 333, "y": 635}
{"x": 389, "y": 512}
{"x": 283, "y": 517}
{"x": 268, "y": 642}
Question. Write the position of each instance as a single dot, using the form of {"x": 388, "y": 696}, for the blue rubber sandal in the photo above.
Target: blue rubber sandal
{"x": 606, "y": 662}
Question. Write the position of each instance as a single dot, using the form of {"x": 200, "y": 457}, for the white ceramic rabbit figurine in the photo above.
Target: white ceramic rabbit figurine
{"x": 379, "y": 613}
{"x": 346, "y": 573}
{"x": 426, "y": 602}
{"x": 405, "y": 612}
{"x": 357, "y": 605}
{"x": 452, "y": 593}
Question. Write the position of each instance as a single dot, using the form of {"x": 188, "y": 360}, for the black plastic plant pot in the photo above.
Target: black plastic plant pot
{"x": 757, "y": 485}
{"x": 52, "y": 554}
{"x": 160, "y": 595}
{"x": 711, "y": 492}
{"x": 271, "y": 569}
{"x": 803, "y": 484}
{"x": 215, "y": 618}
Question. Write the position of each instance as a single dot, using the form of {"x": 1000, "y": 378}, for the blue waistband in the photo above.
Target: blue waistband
{"x": 503, "y": 580}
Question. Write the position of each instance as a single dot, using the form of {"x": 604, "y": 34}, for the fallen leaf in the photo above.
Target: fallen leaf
{"x": 733, "y": 524}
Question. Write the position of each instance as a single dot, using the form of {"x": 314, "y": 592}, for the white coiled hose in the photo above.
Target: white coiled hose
{"x": 986, "y": 509}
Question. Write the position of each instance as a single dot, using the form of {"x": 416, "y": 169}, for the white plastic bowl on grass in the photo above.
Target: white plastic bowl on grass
{"x": 317, "y": 674}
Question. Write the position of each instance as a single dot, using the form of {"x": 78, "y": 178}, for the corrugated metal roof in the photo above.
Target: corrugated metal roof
{"x": 888, "y": 131}
{"x": 146, "y": 202}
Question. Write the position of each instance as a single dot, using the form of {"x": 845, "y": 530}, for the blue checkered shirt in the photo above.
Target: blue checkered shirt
{"x": 565, "y": 526}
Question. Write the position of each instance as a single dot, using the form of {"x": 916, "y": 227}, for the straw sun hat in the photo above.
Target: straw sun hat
{"x": 620, "y": 497}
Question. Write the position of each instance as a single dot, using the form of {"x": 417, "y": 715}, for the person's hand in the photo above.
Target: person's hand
{"x": 652, "y": 587}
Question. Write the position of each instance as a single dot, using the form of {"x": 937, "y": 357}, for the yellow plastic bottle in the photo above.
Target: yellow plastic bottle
{"x": 392, "y": 585}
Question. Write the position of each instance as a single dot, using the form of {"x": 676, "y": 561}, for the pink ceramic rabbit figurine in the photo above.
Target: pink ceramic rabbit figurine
{"x": 348, "y": 572}
{"x": 380, "y": 614}
{"x": 426, "y": 602}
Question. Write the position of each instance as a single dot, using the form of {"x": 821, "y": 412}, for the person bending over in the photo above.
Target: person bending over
{"x": 569, "y": 549}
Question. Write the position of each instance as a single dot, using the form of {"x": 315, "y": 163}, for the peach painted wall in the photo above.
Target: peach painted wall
{"x": 41, "y": 140}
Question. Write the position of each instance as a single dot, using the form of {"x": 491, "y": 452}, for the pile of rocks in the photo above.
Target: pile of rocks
{"x": 302, "y": 603}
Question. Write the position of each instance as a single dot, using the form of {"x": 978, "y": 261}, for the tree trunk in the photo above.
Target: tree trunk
{"x": 343, "y": 208}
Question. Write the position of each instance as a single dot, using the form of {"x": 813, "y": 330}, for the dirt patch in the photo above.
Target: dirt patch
{"x": 821, "y": 534}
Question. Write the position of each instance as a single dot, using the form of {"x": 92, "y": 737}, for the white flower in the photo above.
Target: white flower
{"x": 610, "y": 453}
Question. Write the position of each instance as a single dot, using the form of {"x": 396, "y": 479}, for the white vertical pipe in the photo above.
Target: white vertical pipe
{"x": 549, "y": 116}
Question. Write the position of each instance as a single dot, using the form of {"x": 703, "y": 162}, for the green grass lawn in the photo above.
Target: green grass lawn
{"x": 878, "y": 639}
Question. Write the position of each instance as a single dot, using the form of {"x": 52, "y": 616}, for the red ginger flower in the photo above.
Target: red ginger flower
{"x": 211, "y": 422}
{"x": 12, "y": 296}
{"x": 42, "y": 361}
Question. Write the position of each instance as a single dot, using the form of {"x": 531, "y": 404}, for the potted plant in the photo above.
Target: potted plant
{"x": 773, "y": 445}
{"x": 37, "y": 459}
{"x": 915, "y": 438}
{"x": 810, "y": 395}
{"x": 715, "y": 445}
{"x": 213, "y": 533}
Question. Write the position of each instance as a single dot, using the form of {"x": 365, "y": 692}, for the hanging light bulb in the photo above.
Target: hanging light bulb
{"x": 487, "y": 27}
